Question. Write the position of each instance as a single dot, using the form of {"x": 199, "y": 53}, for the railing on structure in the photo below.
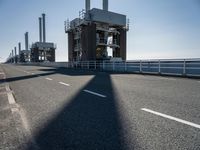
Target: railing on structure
{"x": 180, "y": 67}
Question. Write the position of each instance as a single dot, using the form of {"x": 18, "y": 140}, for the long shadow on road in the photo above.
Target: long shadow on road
{"x": 86, "y": 122}
{"x": 11, "y": 79}
{"x": 46, "y": 72}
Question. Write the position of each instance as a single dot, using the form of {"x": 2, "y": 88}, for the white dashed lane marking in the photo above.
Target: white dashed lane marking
{"x": 172, "y": 118}
{"x": 94, "y": 93}
{"x": 64, "y": 83}
{"x": 49, "y": 79}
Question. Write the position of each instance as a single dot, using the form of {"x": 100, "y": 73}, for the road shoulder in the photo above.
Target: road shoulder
{"x": 13, "y": 133}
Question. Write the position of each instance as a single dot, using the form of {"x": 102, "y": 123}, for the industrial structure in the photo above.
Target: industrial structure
{"x": 96, "y": 30}
{"x": 42, "y": 51}
{"x": 13, "y": 57}
{"x": 24, "y": 55}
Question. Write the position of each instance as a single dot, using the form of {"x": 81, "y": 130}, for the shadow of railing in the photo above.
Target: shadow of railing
{"x": 18, "y": 78}
{"x": 51, "y": 71}
{"x": 47, "y": 72}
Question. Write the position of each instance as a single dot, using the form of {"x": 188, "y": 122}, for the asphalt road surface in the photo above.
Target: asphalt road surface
{"x": 87, "y": 110}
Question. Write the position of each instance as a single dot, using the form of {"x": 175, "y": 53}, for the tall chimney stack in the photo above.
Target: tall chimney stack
{"x": 12, "y": 60}
{"x": 26, "y": 41}
{"x": 40, "y": 29}
{"x": 19, "y": 46}
{"x": 44, "y": 31}
{"x": 15, "y": 59}
{"x": 15, "y": 51}
{"x": 87, "y": 5}
{"x": 105, "y": 5}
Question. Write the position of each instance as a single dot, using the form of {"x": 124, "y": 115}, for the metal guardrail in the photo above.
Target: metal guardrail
{"x": 180, "y": 67}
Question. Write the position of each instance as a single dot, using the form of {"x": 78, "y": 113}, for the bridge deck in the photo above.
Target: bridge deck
{"x": 77, "y": 109}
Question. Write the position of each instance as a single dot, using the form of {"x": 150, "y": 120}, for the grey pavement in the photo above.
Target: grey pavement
{"x": 58, "y": 112}
{"x": 12, "y": 136}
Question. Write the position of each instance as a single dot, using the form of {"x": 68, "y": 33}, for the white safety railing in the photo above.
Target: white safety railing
{"x": 181, "y": 67}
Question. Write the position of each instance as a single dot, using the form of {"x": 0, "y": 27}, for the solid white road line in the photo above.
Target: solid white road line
{"x": 94, "y": 93}
{"x": 14, "y": 110}
{"x": 171, "y": 79}
{"x": 64, "y": 83}
{"x": 11, "y": 98}
{"x": 172, "y": 118}
{"x": 49, "y": 79}
{"x": 27, "y": 72}
{"x": 2, "y": 73}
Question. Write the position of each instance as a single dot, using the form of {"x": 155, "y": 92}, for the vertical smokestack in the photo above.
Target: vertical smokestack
{"x": 44, "y": 31}
{"x": 105, "y": 5}
{"x": 15, "y": 59}
{"x": 26, "y": 41}
{"x": 40, "y": 29}
{"x": 19, "y": 46}
{"x": 12, "y": 60}
{"x": 15, "y": 51}
{"x": 87, "y": 5}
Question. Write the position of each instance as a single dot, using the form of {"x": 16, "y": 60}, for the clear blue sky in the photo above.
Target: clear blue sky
{"x": 158, "y": 28}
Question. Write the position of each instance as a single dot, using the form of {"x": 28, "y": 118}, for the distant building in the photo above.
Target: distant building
{"x": 42, "y": 51}
{"x": 24, "y": 55}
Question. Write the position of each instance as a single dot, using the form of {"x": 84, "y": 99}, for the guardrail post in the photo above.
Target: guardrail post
{"x": 113, "y": 66}
{"x": 159, "y": 70}
{"x": 103, "y": 65}
{"x": 125, "y": 66}
{"x": 184, "y": 67}
{"x": 95, "y": 65}
{"x": 88, "y": 65}
{"x": 71, "y": 64}
{"x": 140, "y": 66}
{"x": 76, "y": 65}
{"x": 82, "y": 64}
{"x": 68, "y": 65}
